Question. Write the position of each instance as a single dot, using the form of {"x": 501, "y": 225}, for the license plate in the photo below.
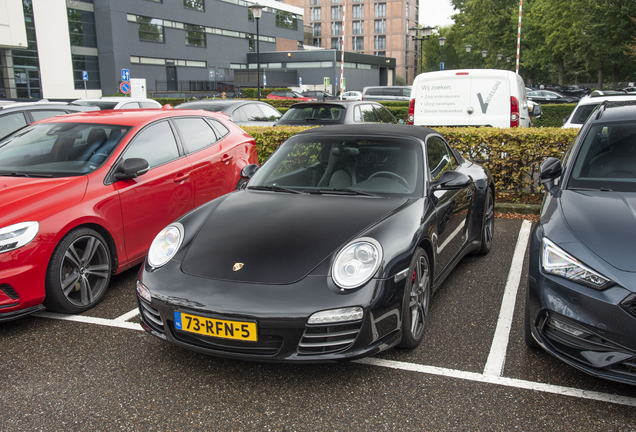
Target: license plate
{"x": 216, "y": 328}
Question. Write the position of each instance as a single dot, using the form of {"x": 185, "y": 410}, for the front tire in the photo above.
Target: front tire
{"x": 488, "y": 226}
{"x": 78, "y": 273}
{"x": 416, "y": 301}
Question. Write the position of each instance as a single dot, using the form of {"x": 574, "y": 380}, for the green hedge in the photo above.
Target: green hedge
{"x": 553, "y": 115}
{"x": 513, "y": 155}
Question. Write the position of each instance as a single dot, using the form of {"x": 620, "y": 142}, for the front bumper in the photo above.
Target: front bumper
{"x": 280, "y": 313}
{"x": 22, "y": 278}
{"x": 593, "y": 331}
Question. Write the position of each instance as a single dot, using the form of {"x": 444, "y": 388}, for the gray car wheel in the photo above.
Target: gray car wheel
{"x": 417, "y": 299}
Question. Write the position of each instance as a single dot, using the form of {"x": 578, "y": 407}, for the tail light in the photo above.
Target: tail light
{"x": 410, "y": 119}
{"x": 514, "y": 112}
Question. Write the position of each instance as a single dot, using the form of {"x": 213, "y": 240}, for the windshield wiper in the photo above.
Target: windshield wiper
{"x": 274, "y": 188}
{"x": 342, "y": 192}
{"x": 22, "y": 174}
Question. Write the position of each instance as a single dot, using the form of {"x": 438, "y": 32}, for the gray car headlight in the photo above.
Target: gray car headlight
{"x": 558, "y": 262}
{"x": 18, "y": 235}
{"x": 356, "y": 263}
{"x": 165, "y": 245}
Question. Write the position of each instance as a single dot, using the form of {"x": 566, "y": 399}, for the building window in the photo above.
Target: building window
{"x": 407, "y": 10}
{"x": 357, "y": 27}
{"x": 194, "y": 4}
{"x": 358, "y": 43}
{"x": 317, "y": 42}
{"x": 336, "y": 13}
{"x": 89, "y": 64}
{"x": 150, "y": 29}
{"x": 379, "y": 42}
{"x": 380, "y": 53}
{"x": 336, "y": 28}
{"x": 315, "y": 14}
{"x": 317, "y": 29}
{"x": 81, "y": 26}
{"x": 357, "y": 11}
{"x": 379, "y": 26}
{"x": 314, "y": 2}
{"x": 195, "y": 35}
{"x": 335, "y": 43}
{"x": 286, "y": 20}
{"x": 380, "y": 10}
{"x": 336, "y": 1}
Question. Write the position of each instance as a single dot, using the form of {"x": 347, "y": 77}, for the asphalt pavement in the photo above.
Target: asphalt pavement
{"x": 473, "y": 371}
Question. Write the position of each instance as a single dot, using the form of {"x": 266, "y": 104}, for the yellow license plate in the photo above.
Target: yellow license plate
{"x": 217, "y": 328}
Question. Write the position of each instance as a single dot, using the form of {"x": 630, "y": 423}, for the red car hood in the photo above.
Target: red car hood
{"x": 32, "y": 199}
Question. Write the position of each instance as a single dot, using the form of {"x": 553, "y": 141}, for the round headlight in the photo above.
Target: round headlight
{"x": 165, "y": 245}
{"x": 356, "y": 263}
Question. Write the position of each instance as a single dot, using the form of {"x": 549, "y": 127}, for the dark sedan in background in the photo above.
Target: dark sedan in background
{"x": 581, "y": 299}
{"x": 332, "y": 252}
{"x": 336, "y": 112}
{"x": 241, "y": 112}
{"x": 14, "y": 116}
{"x": 548, "y": 96}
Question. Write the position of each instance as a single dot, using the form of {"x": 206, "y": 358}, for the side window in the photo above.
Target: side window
{"x": 384, "y": 115}
{"x": 131, "y": 105}
{"x": 42, "y": 114}
{"x": 439, "y": 157}
{"x": 239, "y": 114}
{"x": 155, "y": 143}
{"x": 148, "y": 105}
{"x": 219, "y": 127}
{"x": 196, "y": 133}
{"x": 11, "y": 122}
{"x": 270, "y": 113}
{"x": 367, "y": 114}
{"x": 253, "y": 112}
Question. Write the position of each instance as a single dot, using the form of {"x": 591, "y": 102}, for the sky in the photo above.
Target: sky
{"x": 435, "y": 13}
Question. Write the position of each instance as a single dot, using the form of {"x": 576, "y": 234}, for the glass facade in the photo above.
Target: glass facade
{"x": 89, "y": 64}
{"x": 150, "y": 29}
{"x": 286, "y": 20}
{"x": 194, "y": 4}
{"x": 81, "y": 26}
{"x": 195, "y": 35}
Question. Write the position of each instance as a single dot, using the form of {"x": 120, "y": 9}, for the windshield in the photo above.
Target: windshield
{"x": 355, "y": 164}
{"x": 58, "y": 149}
{"x": 607, "y": 159}
{"x": 318, "y": 113}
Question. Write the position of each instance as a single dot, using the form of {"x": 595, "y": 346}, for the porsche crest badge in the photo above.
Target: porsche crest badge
{"x": 238, "y": 266}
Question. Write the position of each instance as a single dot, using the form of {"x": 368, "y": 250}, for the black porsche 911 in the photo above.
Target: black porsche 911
{"x": 581, "y": 298}
{"x": 331, "y": 252}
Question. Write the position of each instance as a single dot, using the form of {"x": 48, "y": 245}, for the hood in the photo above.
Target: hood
{"x": 278, "y": 237}
{"x": 605, "y": 222}
{"x": 32, "y": 199}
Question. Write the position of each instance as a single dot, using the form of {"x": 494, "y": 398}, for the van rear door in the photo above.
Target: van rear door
{"x": 442, "y": 99}
{"x": 490, "y": 98}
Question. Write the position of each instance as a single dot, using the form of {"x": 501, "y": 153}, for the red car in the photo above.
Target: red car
{"x": 290, "y": 95}
{"x": 82, "y": 197}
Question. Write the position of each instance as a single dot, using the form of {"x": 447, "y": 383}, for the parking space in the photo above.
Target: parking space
{"x": 472, "y": 371}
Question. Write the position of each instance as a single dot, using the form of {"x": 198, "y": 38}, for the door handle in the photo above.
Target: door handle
{"x": 181, "y": 177}
{"x": 226, "y": 158}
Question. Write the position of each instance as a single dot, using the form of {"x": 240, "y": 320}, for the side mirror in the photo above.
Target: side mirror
{"x": 248, "y": 171}
{"x": 131, "y": 168}
{"x": 450, "y": 180}
{"x": 550, "y": 170}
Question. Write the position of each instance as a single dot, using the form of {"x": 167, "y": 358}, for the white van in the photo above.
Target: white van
{"x": 469, "y": 97}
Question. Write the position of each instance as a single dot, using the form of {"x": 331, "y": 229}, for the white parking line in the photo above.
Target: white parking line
{"x": 508, "y": 382}
{"x": 497, "y": 356}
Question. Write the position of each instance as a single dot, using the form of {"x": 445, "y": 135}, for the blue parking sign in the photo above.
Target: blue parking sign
{"x": 125, "y": 75}
{"x": 85, "y": 75}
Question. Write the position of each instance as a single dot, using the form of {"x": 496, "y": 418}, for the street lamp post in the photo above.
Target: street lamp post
{"x": 442, "y": 41}
{"x": 468, "y": 47}
{"x": 508, "y": 60}
{"x": 425, "y": 33}
{"x": 499, "y": 56}
{"x": 257, "y": 11}
{"x": 483, "y": 60}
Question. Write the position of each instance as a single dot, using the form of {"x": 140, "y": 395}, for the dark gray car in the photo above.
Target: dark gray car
{"x": 241, "y": 112}
{"x": 17, "y": 115}
{"x": 336, "y": 112}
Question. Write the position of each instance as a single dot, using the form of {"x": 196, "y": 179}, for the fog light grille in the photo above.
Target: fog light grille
{"x": 9, "y": 291}
{"x": 329, "y": 339}
{"x": 151, "y": 317}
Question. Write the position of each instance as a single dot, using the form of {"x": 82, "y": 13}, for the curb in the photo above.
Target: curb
{"x": 518, "y": 208}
